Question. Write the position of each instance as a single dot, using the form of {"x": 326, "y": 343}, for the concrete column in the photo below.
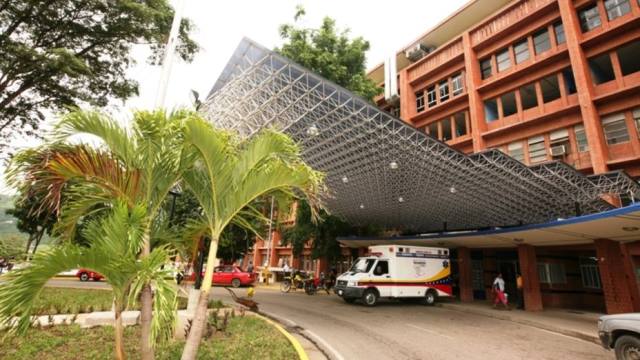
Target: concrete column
{"x": 630, "y": 276}
{"x": 465, "y": 275}
{"x": 473, "y": 80}
{"x": 275, "y": 242}
{"x": 407, "y": 109}
{"x": 530, "y": 280}
{"x": 323, "y": 266}
{"x": 614, "y": 276}
{"x": 584, "y": 83}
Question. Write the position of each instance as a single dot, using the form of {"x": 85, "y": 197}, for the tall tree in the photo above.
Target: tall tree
{"x": 56, "y": 54}
{"x": 329, "y": 52}
{"x": 35, "y": 224}
{"x": 228, "y": 176}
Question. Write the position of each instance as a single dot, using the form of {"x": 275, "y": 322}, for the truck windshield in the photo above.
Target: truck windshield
{"x": 363, "y": 265}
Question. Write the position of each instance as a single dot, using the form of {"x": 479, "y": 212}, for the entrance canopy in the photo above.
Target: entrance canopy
{"x": 383, "y": 171}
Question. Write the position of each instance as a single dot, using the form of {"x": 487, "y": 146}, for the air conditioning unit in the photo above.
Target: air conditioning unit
{"x": 417, "y": 51}
{"x": 558, "y": 150}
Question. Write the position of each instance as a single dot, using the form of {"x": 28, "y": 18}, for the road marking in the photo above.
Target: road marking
{"x": 430, "y": 331}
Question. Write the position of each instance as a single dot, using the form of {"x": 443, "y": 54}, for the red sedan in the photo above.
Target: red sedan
{"x": 231, "y": 275}
{"x": 85, "y": 275}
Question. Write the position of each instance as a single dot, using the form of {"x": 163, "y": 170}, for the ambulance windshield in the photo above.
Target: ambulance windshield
{"x": 363, "y": 265}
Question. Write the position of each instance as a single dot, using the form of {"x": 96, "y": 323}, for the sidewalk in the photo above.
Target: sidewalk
{"x": 575, "y": 323}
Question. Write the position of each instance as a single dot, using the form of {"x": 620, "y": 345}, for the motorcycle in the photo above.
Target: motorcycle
{"x": 294, "y": 282}
{"x": 311, "y": 286}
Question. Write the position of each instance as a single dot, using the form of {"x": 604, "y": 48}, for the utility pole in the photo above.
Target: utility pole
{"x": 169, "y": 53}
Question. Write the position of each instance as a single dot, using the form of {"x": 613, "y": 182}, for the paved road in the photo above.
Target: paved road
{"x": 395, "y": 330}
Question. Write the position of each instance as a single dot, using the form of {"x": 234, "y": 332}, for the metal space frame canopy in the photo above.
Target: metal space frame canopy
{"x": 381, "y": 170}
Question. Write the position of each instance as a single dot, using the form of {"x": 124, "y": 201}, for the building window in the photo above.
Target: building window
{"x": 537, "y": 150}
{"x": 589, "y": 18}
{"x": 569, "y": 81}
{"x": 558, "y": 28}
{"x": 528, "y": 96}
{"x": 516, "y": 150}
{"x": 615, "y": 130}
{"x": 456, "y": 84}
{"x": 581, "y": 138}
{"x": 508, "y": 101}
{"x": 550, "y": 88}
{"x": 521, "y": 50}
{"x": 431, "y": 96}
{"x": 503, "y": 60}
{"x": 616, "y": 8}
{"x": 541, "y": 41}
{"x": 395, "y": 111}
{"x": 636, "y": 118}
{"x": 559, "y": 141}
{"x": 601, "y": 69}
{"x": 590, "y": 273}
{"x": 552, "y": 273}
{"x": 629, "y": 57}
{"x": 460, "y": 120}
{"x": 446, "y": 129}
{"x": 433, "y": 129}
{"x": 444, "y": 90}
{"x": 420, "y": 101}
{"x": 485, "y": 68}
{"x": 490, "y": 110}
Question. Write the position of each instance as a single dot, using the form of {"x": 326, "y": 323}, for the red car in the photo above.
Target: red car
{"x": 85, "y": 275}
{"x": 231, "y": 275}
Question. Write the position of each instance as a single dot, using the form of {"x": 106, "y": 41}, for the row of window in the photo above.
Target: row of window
{"x": 445, "y": 129}
{"x": 601, "y": 66}
{"x": 555, "y": 273}
{"x": 590, "y": 15}
{"x": 440, "y": 92}
{"x": 540, "y": 41}
{"x": 527, "y": 95}
{"x": 615, "y": 127}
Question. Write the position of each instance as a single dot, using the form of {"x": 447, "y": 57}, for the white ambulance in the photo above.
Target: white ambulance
{"x": 397, "y": 271}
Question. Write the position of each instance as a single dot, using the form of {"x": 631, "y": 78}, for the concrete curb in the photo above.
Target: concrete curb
{"x": 540, "y": 325}
{"x": 296, "y": 344}
{"x": 322, "y": 345}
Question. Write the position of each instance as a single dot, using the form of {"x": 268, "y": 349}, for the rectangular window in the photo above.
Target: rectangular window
{"x": 558, "y": 28}
{"x": 503, "y": 60}
{"x": 521, "y": 49}
{"x": 444, "y": 90}
{"x": 636, "y": 118}
{"x": 569, "y": 81}
{"x": 581, "y": 138}
{"x": 541, "y": 42}
{"x": 615, "y": 130}
{"x": 552, "y": 273}
{"x": 508, "y": 101}
{"x": 431, "y": 96}
{"x": 537, "y": 150}
{"x": 420, "y": 101}
{"x": 485, "y": 68}
{"x": 516, "y": 150}
{"x": 446, "y": 129}
{"x": 617, "y": 8}
{"x": 490, "y": 110}
{"x": 433, "y": 129}
{"x": 559, "y": 141}
{"x": 629, "y": 57}
{"x": 460, "y": 123}
{"x": 601, "y": 68}
{"x": 550, "y": 88}
{"x": 589, "y": 18}
{"x": 456, "y": 84}
{"x": 528, "y": 96}
{"x": 590, "y": 273}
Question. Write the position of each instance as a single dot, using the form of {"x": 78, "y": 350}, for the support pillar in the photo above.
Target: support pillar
{"x": 530, "y": 280}
{"x": 275, "y": 242}
{"x": 630, "y": 276}
{"x": 614, "y": 276}
{"x": 473, "y": 81}
{"x": 465, "y": 275}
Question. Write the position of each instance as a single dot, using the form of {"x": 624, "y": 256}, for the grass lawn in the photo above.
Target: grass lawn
{"x": 76, "y": 301}
{"x": 247, "y": 337}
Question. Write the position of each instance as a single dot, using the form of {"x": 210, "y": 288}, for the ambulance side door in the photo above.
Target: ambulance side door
{"x": 382, "y": 277}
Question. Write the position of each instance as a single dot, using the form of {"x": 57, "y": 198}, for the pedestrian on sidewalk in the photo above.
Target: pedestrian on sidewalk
{"x": 250, "y": 267}
{"x": 520, "y": 291}
{"x": 500, "y": 296}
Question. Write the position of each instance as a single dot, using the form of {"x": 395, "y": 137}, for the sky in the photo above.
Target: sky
{"x": 220, "y": 25}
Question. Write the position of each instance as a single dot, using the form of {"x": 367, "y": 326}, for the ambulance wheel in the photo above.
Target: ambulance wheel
{"x": 370, "y": 297}
{"x": 430, "y": 297}
{"x": 349, "y": 300}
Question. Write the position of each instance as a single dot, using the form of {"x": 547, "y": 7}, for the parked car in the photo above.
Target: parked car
{"x": 231, "y": 275}
{"x": 622, "y": 333}
{"x": 85, "y": 275}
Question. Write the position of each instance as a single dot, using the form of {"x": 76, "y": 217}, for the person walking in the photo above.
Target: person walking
{"x": 519, "y": 287}
{"x": 250, "y": 267}
{"x": 500, "y": 296}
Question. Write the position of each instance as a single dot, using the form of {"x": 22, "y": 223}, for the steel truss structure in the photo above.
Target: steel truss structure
{"x": 383, "y": 171}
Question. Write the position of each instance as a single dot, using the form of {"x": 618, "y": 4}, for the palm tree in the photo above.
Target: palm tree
{"x": 117, "y": 239}
{"x": 138, "y": 165}
{"x": 227, "y": 177}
